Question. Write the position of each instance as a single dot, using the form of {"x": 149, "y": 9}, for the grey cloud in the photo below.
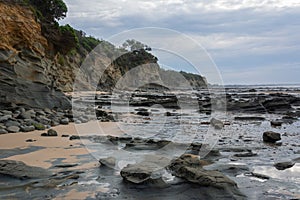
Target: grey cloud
{"x": 238, "y": 34}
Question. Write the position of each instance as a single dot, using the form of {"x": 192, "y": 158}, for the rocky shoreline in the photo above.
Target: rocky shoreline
{"x": 253, "y": 153}
{"x": 15, "y": 118}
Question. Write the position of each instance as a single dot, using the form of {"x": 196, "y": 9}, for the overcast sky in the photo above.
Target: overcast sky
{"x": 251, "y": 41}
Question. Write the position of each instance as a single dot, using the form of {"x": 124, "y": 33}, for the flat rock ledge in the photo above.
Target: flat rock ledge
{"x": 20, "y": 170}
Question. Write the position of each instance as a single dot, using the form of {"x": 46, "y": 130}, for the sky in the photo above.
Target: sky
{"x": 250, "y": 41}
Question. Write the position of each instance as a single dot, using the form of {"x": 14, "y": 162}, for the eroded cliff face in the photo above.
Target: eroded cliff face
{"x": 29, "y": 74}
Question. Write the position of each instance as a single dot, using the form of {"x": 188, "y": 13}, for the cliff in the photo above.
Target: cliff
{"x": 25, "y": 71}
{"x": 36, "y": 71}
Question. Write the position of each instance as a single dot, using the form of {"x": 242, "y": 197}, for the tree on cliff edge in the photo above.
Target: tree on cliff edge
{"x": 51, "y": 9}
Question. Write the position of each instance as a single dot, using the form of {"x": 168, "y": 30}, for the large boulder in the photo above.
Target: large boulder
{"x": 108, "y": 162}
{"x": 142, "y": 173}
{"x": 27, "y": 128}
{"x": 13, "y": 129}
{"x": 204, "y": 177}
{"x": 190, "y": 168}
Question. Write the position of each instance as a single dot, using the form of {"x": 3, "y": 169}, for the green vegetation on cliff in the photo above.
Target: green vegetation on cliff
{"x": 51, "y": 10}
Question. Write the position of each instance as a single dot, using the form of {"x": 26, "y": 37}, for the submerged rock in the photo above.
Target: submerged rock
{"x": 250, "y": 118}
{"x": 276, "y": 123}
{"x": 217, "y": 124}
{"x": 232, "y": 169}
{"x": 247, "y": 154}
{"x": 143, "y": 113}
{"x": 148, "y": 144}
{"x": 271, "y": 136}
{"x": 284, "y": 165}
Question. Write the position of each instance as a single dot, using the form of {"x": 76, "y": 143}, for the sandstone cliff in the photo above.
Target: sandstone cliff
{"x": 26, "y": 71}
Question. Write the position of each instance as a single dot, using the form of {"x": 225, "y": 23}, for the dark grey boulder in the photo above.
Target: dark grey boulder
{"x": 43, "y": 120}
{"x": 13, "y": 129}
{"x": 74, "y": 137}
{"x": 6, "y": 112}
{"x": 284, "y": 165}
{"x": 30, "y": 140}
{"x": 277, "y": 122}
{"x": 143, "y": 113}
{"x": 50, "y": 133}
{"x": 3, "y": 131}
{"x": 66, "y": 165}
{"x": 64, "y": 135}
{"x": 64, "y": 121}
{"x": 271, "y": 137}
{"x": 27, "y": 128}
{"x": 5, "y": 118}
{"x": 11, "y": 123}
{"x": 40, "y": 112}
{"x": 26, "y": 115}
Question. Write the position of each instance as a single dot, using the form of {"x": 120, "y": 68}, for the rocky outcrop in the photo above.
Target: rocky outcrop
{"x": 190, "y": 168}
{"x": 20, "y": 170}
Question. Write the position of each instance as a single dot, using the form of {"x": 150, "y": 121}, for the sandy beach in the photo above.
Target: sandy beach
{"x": 54, "y": 147}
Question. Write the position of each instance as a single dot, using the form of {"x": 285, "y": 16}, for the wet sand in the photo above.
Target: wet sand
{"x": 55, "y": 147}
